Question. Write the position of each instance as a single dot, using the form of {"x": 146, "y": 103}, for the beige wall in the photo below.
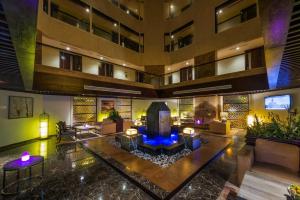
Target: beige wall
{"x": 50, "y": 56}
{"x": 59, "y": 108}
{"x": 257, "y": 104}
{"x": 18, "y": 130}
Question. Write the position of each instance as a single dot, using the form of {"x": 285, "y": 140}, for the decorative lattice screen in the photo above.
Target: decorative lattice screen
{"x": 237, "y": 107}
{"x": 84, "y": 110}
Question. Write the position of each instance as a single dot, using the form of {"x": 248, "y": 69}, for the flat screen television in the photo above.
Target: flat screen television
{"x": 280, "y": 102}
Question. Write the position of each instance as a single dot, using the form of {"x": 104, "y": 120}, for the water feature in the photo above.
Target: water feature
{"x": 157, "y": 136}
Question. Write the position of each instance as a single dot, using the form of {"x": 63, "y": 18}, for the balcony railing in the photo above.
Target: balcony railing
{"x": 242, "y": 62}
{"x": 72, "y": 20}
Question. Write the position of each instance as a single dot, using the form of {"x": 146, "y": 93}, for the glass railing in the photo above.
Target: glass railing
{"x": 69, "y": 19}
{"x": 95, "y": 66}
{"x": 242, "y": 62}
{"x": 175, "y": 8}
{"x": 134, "y": 7}
{"x": 179, "y": 38}
{"x": 229, "y": 15}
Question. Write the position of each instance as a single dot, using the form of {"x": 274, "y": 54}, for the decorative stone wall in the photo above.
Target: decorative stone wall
{"x": 158, "y": 119}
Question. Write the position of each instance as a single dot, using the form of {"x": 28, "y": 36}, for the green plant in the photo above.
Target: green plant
{"x": 114, "y": 115}
{"x": 275, "y": 127}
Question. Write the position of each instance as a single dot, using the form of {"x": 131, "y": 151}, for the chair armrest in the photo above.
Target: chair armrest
{"x": 245, "y": 160}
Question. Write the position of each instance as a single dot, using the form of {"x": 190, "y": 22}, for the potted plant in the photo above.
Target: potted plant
{"x": 115, "y": 117}
{"x": 276, "y": 129}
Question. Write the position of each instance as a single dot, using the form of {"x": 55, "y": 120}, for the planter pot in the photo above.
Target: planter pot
{"x": 119, "y": 125}
{"x": 251, "y": 139}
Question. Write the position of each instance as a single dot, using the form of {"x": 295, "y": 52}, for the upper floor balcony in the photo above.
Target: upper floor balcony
{"x": 87, "y": 18}
{"x": 61, "y": 60}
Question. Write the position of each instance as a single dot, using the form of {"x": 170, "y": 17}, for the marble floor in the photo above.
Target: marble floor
{"x": 71, "y": 172}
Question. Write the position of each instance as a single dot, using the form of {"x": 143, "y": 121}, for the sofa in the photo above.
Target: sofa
{"x": 218, "y": 127}
{"x": 271, "y": 158}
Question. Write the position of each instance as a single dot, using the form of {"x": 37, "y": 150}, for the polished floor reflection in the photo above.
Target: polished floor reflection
{"x": 73, "y": 173}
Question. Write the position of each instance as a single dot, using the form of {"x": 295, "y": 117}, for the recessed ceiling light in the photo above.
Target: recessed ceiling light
{"x": 172, "y": 36}
{"x": 237, "y": 48}
{"x": 187, "y": 63}
{"x": 220, "y": 11}
{"x": 169, "y": 69}
{"x": 115, "y": 24}
{"x": 127, "y": 11}
{"x": 171, "y": 6}
{"x": 87, "y": 10}
{"x": 124, "y": 64}
{"x": 68, "y": 48}
{"x": 101, "y": 58}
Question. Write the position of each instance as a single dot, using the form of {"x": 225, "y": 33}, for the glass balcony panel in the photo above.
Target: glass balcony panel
{"x": 73, "y": 12}
{"x": 231, "y": 14}
{"x": 129, "y": 38}
{"x": 230, "y": 65}
{"x": 105, "y": 26}
{"x": 174, "y": 8}
{"x": 179, "y": 38}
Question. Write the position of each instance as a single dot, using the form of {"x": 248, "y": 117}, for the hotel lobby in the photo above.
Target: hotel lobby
{"x": 107, "y": 100}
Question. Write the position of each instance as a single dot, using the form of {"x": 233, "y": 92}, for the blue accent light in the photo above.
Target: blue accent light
{"x": 160, "y": 140}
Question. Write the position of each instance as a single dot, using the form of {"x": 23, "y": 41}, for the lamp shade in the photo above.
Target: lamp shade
{"x": 25, "y": 156}
{"x": 189, "y": 131}
{"x": 138, "y": 123}
{"x": 131, "y": 131}
{"x": 44, "y": 125}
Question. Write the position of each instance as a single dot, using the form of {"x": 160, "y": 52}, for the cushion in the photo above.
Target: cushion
{"x": 285, "y": 155}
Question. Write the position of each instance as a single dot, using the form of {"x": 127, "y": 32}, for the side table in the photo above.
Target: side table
{"x": 18, "y": 165}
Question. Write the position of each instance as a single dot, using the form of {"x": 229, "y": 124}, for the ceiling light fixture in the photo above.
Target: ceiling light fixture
{"x": 172, "y": 36}
{"x": 101, "y": 58}
{"x": 87, "y": 10}
{"x": 187, "y": 63}
{"x": 68, "y": 48}
{"x": 169, "y": 68}
{"x": 219, "y": 12}
{"x": 237, "y": 48}
{"x": 124, "y": 64}
{"x": 115, "y": 24}
{"x": 127, "y": 11}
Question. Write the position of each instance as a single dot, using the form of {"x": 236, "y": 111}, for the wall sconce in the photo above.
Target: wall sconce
{"x": 131, "y": 131}
{"x": 189, "y": 131}
{"x": 44, "y": 125}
